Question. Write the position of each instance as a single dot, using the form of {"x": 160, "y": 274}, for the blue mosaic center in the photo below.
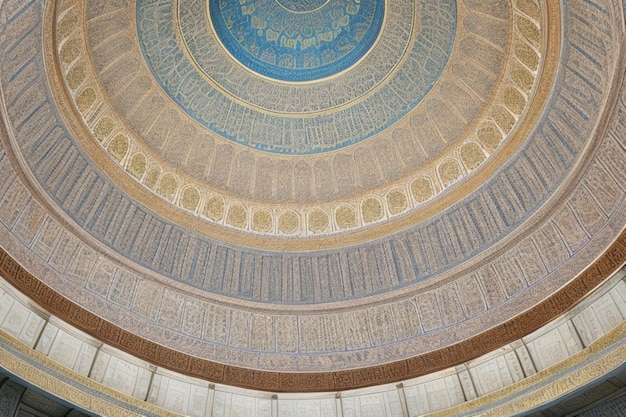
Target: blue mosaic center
{"x": 297, "y": 118}
{"x": 295, "y": 40}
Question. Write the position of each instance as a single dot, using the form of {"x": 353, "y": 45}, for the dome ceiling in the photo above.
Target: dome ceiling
{"x": 310, "y": 186}
{"x": 128, "y": 126}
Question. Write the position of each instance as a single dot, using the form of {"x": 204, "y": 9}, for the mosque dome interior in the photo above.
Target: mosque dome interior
{"x": 312, "y": 208}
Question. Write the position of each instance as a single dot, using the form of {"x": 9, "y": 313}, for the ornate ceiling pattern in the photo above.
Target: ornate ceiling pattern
{"x": 310, "y": 187}
{"x": 232, "y": 207}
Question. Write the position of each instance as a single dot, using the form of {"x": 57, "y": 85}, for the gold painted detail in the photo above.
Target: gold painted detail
{"x": 397, "y": 201}
{"x": 76, "y": 75}
{"x": 318, "y": 221}
{"x": 137, "y": 165}
{"x": 71, "y": 50}
{"x": 85, "y": 99}
{"x": 214, "y": 208}
{"x": 345, "y": 216}
{"x": 422, "y": 189}
{"x": 68, "y": 22}
{"x": 288, "y": 222}
{"x": 527, "y": 55}
{"x": 118, "y": 148}
{"x": 503, "y": 118}
{"x": 152, "y": 178}
{"x": 499, "y": 121}
{"x": 488, "y": 136}
{"x": 449, "y": 172}
{"x": 472, "y": 155}
{"x": 190, "y": 198}
{"x": 168, "y": 186}
{"x": 262, "y": 221}
{"x": 237, "y": 216}
{"x": 372, "y": 210}
{"x": 522, "y": 76}
{"x": 530, "y": 8}
{"x": 514, "y": 100}
{"x": 103, "y": 128}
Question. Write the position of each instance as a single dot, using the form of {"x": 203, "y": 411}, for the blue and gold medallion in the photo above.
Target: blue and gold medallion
{"x": 297, "y": 41}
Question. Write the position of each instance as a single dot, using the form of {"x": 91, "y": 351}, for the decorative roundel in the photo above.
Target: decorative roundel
{"x": 297, "y": 41}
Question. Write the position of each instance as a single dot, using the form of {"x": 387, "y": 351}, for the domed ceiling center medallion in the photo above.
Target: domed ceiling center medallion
{"x": 297, "y": 41}
{"x": 296, "y": 83}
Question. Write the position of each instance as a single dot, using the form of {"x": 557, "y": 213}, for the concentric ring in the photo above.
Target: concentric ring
{"x": 473, "y": 258}
{"x": 492, "y": 102}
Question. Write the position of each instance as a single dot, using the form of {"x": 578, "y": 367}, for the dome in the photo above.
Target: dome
{"x": 311, "y": 196}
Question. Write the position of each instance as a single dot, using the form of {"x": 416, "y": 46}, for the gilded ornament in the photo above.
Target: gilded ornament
{"x": 318, "y": 221}
{"x": 237, "y": 216}
{"x": 371, "y": 209}
{"x": 152, "y": 178}
{"x": 168, "y": 186}
{"x": 513, "y": 100}
{"x": 529, "y": 30}
{"x": 530, "y": 8}
{"x": 503, "y": 118}
{"x": 449, "y": 171}
{"x": 190, "y": 198}
{"x": 489, "y": 136}
{"x": 471, "y": 155}
{"x": 119, "y": 147}
{"x": 214, "y": 208}
{"x": 137, "y": 166}
{"x": 103, "y": 128}
{"x": 85, "y": 99}
{"x": 262, "y": 221}
{"x": 397, "y": 201}
{"x": 76, "y": 75}
{"x": 422, "y": 189}
{"x": 68, "y": 23}
{"x": 288, "y": 222}
{"x": 345, "y": 217}
{"x": 70, "y": 50}
{"x": 522, "y": 76}
{"x": 527, "y": 55}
